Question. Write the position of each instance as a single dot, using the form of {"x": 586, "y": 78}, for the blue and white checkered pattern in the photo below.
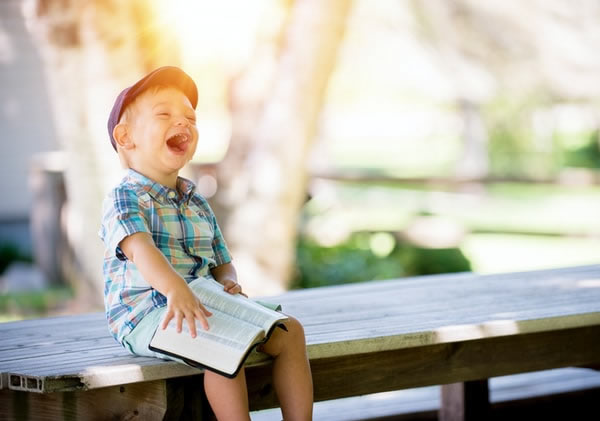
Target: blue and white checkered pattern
{"x": 183, "y": 227}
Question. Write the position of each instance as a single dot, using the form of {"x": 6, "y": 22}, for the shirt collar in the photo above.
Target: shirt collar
{"x": 160, "y": 192}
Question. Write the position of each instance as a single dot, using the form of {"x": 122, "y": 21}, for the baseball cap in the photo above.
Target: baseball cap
{"x": 168, "y": 76}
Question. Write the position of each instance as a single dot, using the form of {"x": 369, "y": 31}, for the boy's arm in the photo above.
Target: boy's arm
{"x": 226, "y": 275}
{"x": 156, "y": 270}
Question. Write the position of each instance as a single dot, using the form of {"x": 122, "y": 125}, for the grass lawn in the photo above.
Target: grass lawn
{"x": 508, "y": 226}
{"x": 31, "y": 304}
{"x": 494, "y": 253}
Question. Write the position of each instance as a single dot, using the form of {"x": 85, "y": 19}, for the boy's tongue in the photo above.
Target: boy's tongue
{"x": 178, "y": 143}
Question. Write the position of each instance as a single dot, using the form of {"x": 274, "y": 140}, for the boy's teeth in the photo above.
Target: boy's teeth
{"x": 177, "y": 139}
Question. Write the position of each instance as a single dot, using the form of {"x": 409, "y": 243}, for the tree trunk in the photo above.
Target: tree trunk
{"x": 262, "y": 180}
{"x": 473, "y": 162}
{"x": 92, "y": 50}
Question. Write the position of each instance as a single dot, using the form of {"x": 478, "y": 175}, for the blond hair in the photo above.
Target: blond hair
{"x": 128, "y": 115}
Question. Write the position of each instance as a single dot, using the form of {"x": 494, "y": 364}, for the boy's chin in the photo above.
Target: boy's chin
{"x": 178, "y": 161}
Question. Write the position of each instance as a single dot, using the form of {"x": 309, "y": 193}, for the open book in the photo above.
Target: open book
{"x": 236, "y": 327}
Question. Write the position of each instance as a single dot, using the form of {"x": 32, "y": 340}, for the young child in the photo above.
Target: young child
{"x": 160, "y": 235}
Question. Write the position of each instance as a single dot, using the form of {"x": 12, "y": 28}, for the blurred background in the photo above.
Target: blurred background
{"x": 340, "y": 141}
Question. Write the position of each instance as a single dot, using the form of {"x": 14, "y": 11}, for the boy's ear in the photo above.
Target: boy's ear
{"x": 121, "y": 136}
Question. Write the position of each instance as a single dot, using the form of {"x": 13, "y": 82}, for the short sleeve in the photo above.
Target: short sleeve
{"x": 219, "y": 245}
{"x": 122, "y": 216}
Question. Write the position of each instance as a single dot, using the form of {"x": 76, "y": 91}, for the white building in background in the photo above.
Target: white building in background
{"x": 26, "y": 124}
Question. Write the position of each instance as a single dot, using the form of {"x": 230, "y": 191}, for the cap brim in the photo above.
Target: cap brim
{"x": 167, "y": 76}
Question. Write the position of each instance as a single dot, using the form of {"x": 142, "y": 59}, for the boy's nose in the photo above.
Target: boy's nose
{"x": 181, "y": 121}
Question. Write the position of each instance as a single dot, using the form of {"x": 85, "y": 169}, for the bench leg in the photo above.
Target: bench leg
{"x": 186, "y": 400}
{"x": 466, "y": 401}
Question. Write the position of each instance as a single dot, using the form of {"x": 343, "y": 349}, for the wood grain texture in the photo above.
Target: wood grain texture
{"x": 362, "y": 374}
{"x": 141, "y": 401}
{"x": 361, "y": 338}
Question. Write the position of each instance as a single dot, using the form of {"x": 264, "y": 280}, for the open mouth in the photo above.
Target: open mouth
{"x": 178, "y": 143}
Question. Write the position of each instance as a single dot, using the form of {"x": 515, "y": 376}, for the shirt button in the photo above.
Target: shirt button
{"x": 191, "y": 249}
{"x": 171, "y": 195}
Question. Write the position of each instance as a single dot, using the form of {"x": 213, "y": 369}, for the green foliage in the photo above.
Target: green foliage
{"x": 10, "y": 254}
{"x": 354, "y": 261}
{"x": 348, "y": 262}
{"x": 513, "y": 147}
{"x": 34, "y": 303}
{"x": 585, "y": 156}
{"x": 428, "y": 261}
{"x": 525, "y": 141}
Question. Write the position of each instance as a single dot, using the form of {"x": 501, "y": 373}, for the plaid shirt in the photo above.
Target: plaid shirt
{"x": 182, "y": 226}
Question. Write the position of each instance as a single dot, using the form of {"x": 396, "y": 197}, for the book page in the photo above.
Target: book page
{"x": 211, "y": 294}
{"x": 209, "y": 350}
{"x": 224, "y": 329}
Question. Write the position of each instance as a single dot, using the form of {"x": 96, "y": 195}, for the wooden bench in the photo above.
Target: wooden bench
{"x": 455, "y": 330}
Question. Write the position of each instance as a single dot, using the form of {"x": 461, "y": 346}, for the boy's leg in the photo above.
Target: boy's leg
{"x": 228, "y": 398}
{"x": 291, "y": 371}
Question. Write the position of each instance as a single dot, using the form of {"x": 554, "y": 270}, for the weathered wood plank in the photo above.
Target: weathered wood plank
{"x": 339, "y": 321}
{"x": 75, "y": 362}
{"x": 94, "y": 330}
{"x": 144, "y": 401}
{"x": 47, "y": 323}
{"x": 438, "y": 364}
{"x": 417, "y": 285}
{"x": 57, "y": 348}
{"x": 379, "y": 338}
{"x": 481, "y": 299}
{"x": 108, "y": 371}
{"x": 52, "y": 363}
{"x": 411, "y": 403}
{"x": 41, "y": 335}
{"x": 91, "y": 366}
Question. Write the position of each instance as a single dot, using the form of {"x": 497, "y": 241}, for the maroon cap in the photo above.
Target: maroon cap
{"x": 168, "y": 76}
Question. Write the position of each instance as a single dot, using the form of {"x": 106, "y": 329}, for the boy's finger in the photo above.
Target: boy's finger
{"x": 203, "y": 310}
{"x": 179, "y": 319}
{"x": 166, "y": 320}
{"x": 202, "y": 319}
{"x": 192, "y": 324}
{"x": 234, "y": 288}
{"x": 202, "y": 315}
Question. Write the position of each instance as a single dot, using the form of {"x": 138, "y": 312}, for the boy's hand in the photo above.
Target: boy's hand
{"x": 156, "y": 269}
{"x": 183, "y": 304}
{"x": 232, "y": 287}
{"x": 226, "y": 275}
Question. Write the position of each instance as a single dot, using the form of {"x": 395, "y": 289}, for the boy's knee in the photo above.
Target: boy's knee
{"x": 295, "y": 330}
{"x": 292, "y": 336}
{"x": 293, "y": 326}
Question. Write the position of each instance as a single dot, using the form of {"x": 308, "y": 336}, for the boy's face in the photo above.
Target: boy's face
{"x": 162, "y": 130}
